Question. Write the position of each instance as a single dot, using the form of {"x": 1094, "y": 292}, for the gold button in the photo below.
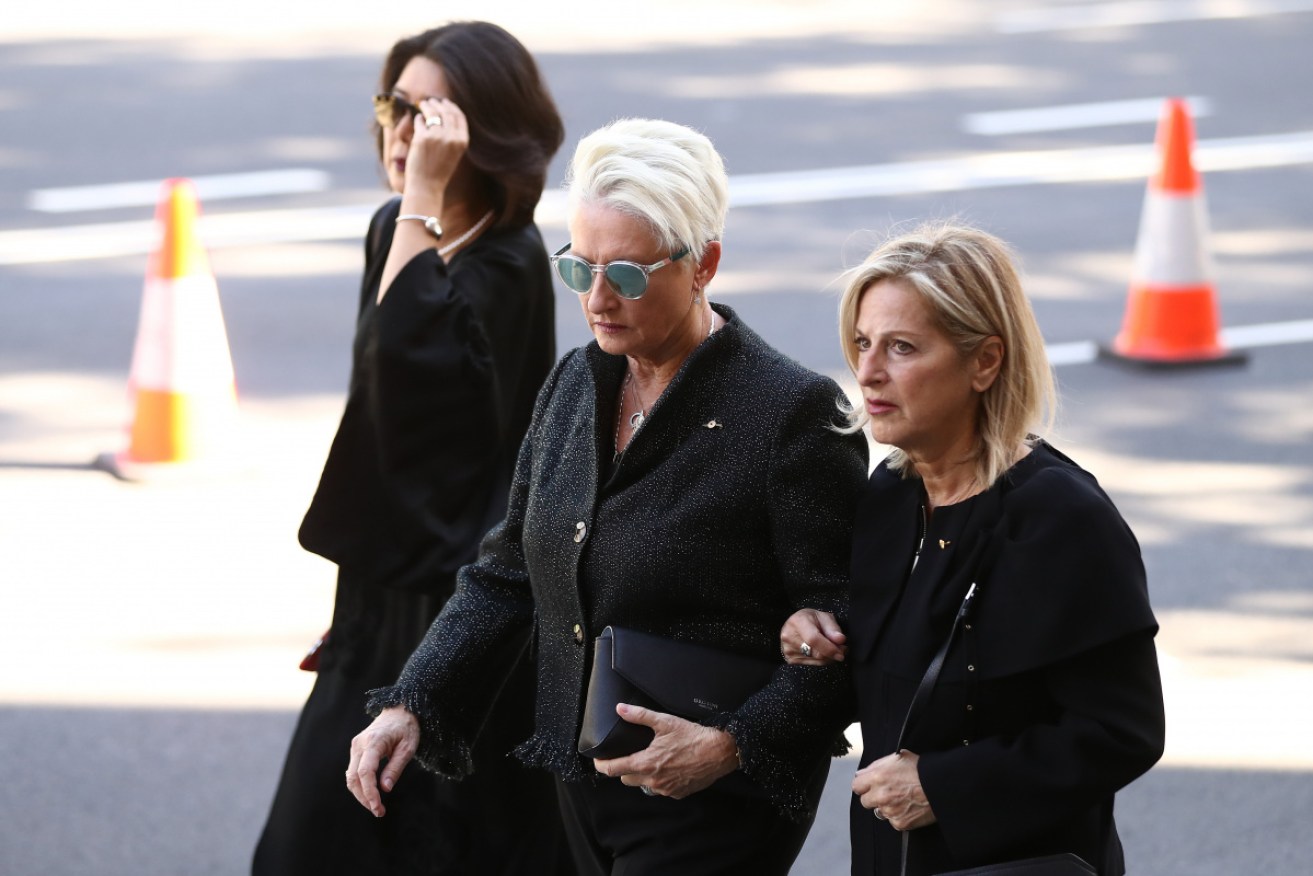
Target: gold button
{"x": 578, "y": 634}
{"x": 580, "y": 531}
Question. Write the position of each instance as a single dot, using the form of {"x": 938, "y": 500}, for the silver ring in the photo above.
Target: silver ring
{"x": 433, "y": 121}
{"x": 805, "y": 649}
{"x": 879, "y": 816}
{"x": 648, "y": 791}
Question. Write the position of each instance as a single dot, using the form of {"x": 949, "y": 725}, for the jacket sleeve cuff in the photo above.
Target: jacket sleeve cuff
{"x": 782, "y": 782}
{"x": 441, "y": 750}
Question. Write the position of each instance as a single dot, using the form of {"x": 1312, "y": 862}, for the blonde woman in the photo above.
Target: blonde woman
{"x": 1049, "y": 699}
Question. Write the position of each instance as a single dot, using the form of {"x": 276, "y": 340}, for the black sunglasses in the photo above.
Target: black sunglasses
{"x": 626, "y": 279}
{"x": 390, "y": 109}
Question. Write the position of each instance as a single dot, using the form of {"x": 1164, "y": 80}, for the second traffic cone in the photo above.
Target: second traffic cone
{"x": 1171, "y": 313}
{"x": 182, "y": 374}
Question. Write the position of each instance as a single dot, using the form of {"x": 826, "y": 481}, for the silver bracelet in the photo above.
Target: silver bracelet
{"x": 430, "y": 223}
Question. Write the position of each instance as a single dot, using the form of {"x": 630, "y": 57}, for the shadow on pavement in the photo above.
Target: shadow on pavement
{"x": 124, "y": 792}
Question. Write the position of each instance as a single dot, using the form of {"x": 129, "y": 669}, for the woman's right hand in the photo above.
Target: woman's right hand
{"x": 435, "y": 151}
{"x": 393, "y": 739}
{"x": 820, "y": 632}
{"x": 432, "y": 157}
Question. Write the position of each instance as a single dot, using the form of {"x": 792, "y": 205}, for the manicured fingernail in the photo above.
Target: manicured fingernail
{"x": 387, "y": 784}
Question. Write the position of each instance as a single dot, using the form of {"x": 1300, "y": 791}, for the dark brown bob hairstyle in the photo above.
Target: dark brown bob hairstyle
{"x": 515, "y": 128}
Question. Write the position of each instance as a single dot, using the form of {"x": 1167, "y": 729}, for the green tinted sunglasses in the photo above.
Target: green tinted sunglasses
{"x": 626, "y": 279}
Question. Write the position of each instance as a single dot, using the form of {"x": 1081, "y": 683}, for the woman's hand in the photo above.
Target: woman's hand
{"x": 435, "y": 150}
{"x": 683, "y": 759}
{"x": 392, "y": 738}
{"x": 820, "y": 632}
{"x": 432, "y": 157}
{"x": 891, "y": 788}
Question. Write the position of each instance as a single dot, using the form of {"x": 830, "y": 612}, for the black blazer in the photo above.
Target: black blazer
{"x": 1048, "y": 703}
{"x": 443, "y": 378}
{"x": 730, "y": 509}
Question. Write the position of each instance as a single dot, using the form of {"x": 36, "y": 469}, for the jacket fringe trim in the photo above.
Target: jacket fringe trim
{"x": 440, "y": 750}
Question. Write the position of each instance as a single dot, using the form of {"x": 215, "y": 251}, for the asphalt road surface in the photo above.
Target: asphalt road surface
{"x": 149, "y": 634}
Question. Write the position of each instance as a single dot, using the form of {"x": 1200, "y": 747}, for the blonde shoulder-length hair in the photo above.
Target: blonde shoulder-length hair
{"x": 969, "y": 282}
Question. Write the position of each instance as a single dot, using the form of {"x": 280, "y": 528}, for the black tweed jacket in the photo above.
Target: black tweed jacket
{"x": 731, "y": 508}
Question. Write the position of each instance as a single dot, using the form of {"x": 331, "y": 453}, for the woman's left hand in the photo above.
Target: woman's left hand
{"x": 812, "y": 638}
{"x": 891, "y": 788}
{"x": 683, "y": 759}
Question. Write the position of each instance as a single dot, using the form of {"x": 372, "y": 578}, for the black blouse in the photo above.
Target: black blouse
{"x": 1049, "y": 702}
{"x": 443, "y": 378}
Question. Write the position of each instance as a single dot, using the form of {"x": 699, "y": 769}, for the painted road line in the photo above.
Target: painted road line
{"x": 215, "y": 230}
{"x": 1076, "y": 115}
{"x": 1073, "y": 353}
{"x": 1137, "y": 12}
{"x": 208, "y": 188}
{"x": 1267, "y": 334}
{"x": 1242, "y": 337}
{"x": 992, "y": 170}
{"x": 979, "y": 171}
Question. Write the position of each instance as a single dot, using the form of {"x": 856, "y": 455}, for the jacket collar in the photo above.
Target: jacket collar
{"x": 669, "y": 414}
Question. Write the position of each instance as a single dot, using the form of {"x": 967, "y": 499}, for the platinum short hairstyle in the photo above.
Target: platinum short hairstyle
{"x": 663, "y": 173}
{"x": 969, "y": 281}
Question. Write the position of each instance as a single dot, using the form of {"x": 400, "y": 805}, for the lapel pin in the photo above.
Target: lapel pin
{"x": 943, "y": 544}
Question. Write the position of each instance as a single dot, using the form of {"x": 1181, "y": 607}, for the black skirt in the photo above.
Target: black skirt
{"x": 503, "y": 819}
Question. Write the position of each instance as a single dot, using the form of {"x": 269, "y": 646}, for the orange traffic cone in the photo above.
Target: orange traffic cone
{"x": 1171, "y": 313}
{"x": 182, "y": 373}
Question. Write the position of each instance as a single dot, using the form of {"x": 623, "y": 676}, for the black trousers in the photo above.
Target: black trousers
{"x": 616, "y": 830}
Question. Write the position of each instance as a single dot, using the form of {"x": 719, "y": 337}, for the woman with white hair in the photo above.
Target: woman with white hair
{"x": 680, "y": 478}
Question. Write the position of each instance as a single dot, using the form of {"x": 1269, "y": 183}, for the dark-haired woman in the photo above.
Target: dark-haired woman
{"x": 455, "y": 333}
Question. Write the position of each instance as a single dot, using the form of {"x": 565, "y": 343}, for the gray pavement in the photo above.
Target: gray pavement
{"x": 149, "y": 634}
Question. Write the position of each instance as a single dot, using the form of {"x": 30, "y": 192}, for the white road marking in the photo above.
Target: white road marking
{"x": 208, "y": 188}
{"x": 216, "y": 231}
{"x": 1243, "y": 337}
{"x": 1135, "y": 12}
{"x": 992, "y": 170}
{"x": 1074, "y": 353}
{"x": 963, "y": 173}
{"x": 1267, "y": 334}
{"x": 1076, "y": 115}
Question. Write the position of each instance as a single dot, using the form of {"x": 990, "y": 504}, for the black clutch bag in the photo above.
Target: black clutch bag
{"x": 680, "y": 678}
